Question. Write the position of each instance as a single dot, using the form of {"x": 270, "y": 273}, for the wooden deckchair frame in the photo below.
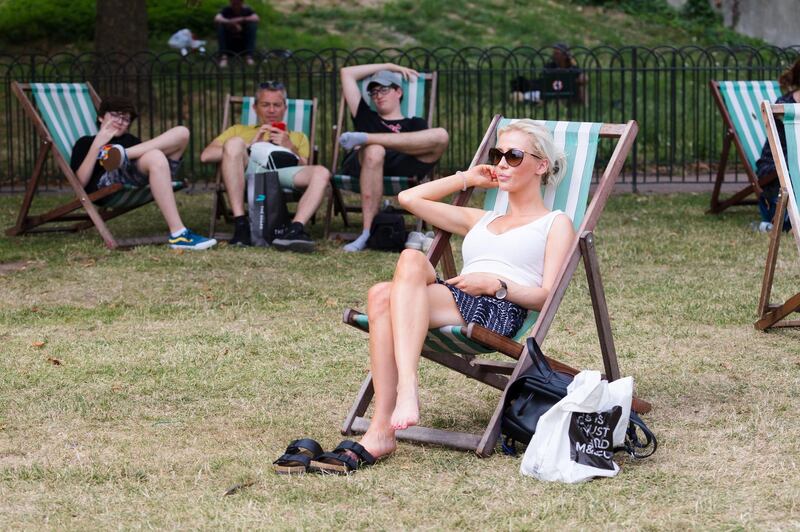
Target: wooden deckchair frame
{"x": 336, "y": 203}
{"x": 219, "y": 205}
{"x": 95, "y": 215}
{"x": 774, "y": 315}
{"x": 730, "y": 137}
{"x": 499, "y": 374}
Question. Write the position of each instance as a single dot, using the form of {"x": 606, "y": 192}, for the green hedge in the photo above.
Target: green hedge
{"x": 59, "y": 21}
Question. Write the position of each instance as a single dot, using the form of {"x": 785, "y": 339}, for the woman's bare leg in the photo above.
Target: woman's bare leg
{"x": 417, "y": 303}
{"x": 379, "y": 439}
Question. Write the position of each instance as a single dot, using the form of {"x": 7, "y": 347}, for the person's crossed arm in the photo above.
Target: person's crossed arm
{"x": 352, "y": 74}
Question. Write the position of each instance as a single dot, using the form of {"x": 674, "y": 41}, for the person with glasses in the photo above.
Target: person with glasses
{"x": 384, "y": 142}
{"x": 233, "y": 149}
{"x": 511, "y": 260}
{"x": 114, "y": 155}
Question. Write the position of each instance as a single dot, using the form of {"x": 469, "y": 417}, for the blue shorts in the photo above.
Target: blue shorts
{"x": 498, "y": 315}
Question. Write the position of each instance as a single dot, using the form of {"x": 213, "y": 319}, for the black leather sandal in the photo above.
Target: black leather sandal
{"x": 297, "y": 457}
{"x": 340, "y": 462}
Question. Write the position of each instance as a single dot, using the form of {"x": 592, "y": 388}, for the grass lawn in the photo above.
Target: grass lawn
{"x": 137, "y": 387}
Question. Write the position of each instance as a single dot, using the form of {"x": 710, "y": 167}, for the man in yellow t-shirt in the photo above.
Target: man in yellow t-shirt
{"x": 232, "y": 149}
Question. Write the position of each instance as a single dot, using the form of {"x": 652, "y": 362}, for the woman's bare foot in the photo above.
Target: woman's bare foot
{"x": 379, "y": 444}
{"x": 406, "y": 410}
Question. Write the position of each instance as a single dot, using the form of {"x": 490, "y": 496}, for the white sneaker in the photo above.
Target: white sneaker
{"x": 420, "y": 242}
{"x": 761, "y": 227}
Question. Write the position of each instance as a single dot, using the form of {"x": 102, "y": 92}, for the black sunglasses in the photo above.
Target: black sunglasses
{"x": 272, "y": 85}
{"x": 513, "y": 156}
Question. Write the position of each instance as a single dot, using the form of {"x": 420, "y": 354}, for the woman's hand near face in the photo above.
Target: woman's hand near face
{"x": 481, "y": 176}
{"x": 476, "y": 284}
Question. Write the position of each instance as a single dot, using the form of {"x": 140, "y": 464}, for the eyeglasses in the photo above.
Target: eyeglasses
{"x": 272, "y": 85}
{"x": 122, "y": 117}
{"x": 381, "y": 90}
{"x": 513, "y": 156}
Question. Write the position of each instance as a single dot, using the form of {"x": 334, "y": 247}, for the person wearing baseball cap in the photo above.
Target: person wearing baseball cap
{"x": 383, "y": 142}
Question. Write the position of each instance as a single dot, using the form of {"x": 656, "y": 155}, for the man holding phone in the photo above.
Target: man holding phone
{"x": 233, "y": 147}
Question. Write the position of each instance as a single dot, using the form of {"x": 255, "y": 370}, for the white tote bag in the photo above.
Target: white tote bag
{"x": 575, "y": 440}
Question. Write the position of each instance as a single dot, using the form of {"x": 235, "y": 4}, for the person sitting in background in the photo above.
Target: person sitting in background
{"x": 384, "y": 141}
{"x": 233, "y": 147}
{"x": 765, "y": 166}
{"x": 561, "y": 61}
{"x": 236, "y": 31}
{"x": 115, "y": 156}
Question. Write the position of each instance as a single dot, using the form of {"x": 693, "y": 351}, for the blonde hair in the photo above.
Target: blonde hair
{"x": 543, "y": 147}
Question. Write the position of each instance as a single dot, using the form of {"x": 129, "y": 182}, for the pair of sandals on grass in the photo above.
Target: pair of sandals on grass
{"x": 306, "y": 456}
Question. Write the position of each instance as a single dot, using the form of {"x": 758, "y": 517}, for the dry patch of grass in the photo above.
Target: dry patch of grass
{"x": 138, "y": 387}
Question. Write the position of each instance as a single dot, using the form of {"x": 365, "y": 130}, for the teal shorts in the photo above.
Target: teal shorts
{"x": 285, "y": 175}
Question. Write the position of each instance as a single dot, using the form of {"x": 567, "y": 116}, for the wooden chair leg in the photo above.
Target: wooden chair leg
{"x": 599, "y": 306}
{"x": 359, "y": 408}
{"x": 723, "y": 164}
{"x": 773, "y": 315}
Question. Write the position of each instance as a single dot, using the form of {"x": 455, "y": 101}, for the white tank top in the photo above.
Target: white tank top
{"x": 517, "y": 254}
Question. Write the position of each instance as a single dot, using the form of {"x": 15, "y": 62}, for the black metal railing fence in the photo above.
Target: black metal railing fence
{"x": 665, "y": 89}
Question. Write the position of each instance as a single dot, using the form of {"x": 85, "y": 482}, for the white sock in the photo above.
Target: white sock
{"x": 178, "y": 232}
{"x": 359, "y": 243}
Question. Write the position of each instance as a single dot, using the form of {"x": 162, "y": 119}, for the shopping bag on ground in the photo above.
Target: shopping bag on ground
{"x": 575, "y": 440}
{"x": 267, "y": 207}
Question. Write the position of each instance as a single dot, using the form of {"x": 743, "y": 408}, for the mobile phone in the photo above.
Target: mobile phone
{"x": 279, "y": 125}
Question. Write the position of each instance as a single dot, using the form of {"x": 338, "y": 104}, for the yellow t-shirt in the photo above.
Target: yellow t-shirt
{"x": 248, "y": 133}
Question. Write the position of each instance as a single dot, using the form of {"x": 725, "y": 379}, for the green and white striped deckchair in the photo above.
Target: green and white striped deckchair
{"x": 64, "y": 112}
{"x": 413, "y": 104}
{"x": 739, "y": 102}
{"x": 457, "y": 346}
{"x": 788, "y": 168}
{"x": 300, "y": 116}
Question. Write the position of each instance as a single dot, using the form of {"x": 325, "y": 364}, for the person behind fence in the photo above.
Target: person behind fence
{"x": 384, "y": 141}
{"x": 233, "y": 149}
{"x": 561, "y": 62}
{"x": 510, "y": 259}
{"x": 236, "y": 31}
{"x": 114, "y": 156}
{"x": 765, "y": 166}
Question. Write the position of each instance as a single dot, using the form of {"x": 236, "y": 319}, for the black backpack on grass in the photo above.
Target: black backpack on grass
{"x": 388, "y": 231}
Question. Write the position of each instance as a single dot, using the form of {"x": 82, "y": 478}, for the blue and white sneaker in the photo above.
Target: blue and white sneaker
{"x": 191, "y": 240}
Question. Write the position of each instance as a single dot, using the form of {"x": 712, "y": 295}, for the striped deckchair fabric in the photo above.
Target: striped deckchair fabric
{"x": 788, "y": 169}
{"x": 579, "y": 142}
{"x": 743, "y": 98}
{"x": 413, "y": 104}
{"x": 68, "y": 112}
{"x": 738, "y": 103}
{"x": 62, "y": 113}
{"x": 791, "y": 182}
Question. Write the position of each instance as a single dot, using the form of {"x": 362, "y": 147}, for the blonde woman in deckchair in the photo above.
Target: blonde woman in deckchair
{"x": 510, "y": 264}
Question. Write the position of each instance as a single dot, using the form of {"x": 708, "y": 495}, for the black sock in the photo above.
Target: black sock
{"x": 299, "y": 227}
{"x": 240, "y": 220}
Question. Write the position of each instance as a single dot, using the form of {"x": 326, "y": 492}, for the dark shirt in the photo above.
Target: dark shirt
{"x": 228, "y": 12}
{"x": 766, "y": 164}
{"x": 81, "y": 150}
{"x": 368, "y": 121}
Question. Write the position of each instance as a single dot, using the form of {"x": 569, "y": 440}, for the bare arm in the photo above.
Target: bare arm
{"x": 212, "y": 153}
{"x": 219, "y": 19}
{"x": 352, "y": 74}
{"x": 423, "y": 200}
{"x": 559, "y": 240}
